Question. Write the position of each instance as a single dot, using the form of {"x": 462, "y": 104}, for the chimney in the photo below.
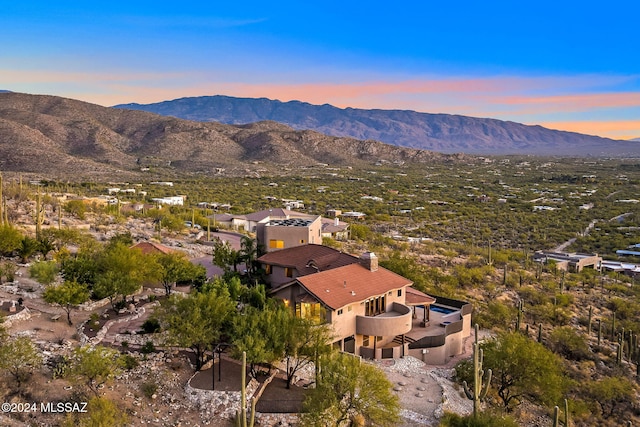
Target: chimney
{"x": 369, "y": 260}
{"x": 336, "y": 222}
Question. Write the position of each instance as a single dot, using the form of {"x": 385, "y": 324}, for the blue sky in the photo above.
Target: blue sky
{"x": 564, "y": 64}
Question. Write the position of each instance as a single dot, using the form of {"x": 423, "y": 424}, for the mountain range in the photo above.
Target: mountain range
{"x": 52, "y": 136}
{"x": 437, "y": 132}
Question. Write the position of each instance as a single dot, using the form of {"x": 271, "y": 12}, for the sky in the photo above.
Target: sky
{"x": 565, "y": 65}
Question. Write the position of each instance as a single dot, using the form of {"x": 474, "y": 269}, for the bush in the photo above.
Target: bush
{"x": 151, "y": 326}
{"x": 129, "y": 362}
{"x": 480, "y": 420}
{"x": 148, "y": 347}
{"x": 569, "y": 344}
{"x": 148, "y": 388}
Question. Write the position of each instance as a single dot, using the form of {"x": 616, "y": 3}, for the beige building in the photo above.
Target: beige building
{"x": 573, "y": 262}
{"x": 278, "y": 228}
{"x": 374, "y": 312}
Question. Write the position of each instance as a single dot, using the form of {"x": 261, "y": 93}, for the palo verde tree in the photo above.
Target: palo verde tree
{"x": 175, "y": 267}
{"x": 523, "y": 368}
{"x": 225, "y": 257}
{"x": 20, "y": 357}
{"x": 350, "y": 391}
{"x": 68, "y": 295}
{"x": 94, "y": 366}
{"x": 122, "y": 271}
{"x": 197, "y": 320}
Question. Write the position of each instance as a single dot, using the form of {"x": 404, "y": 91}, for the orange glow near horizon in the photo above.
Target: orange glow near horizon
{"x": 512, "y": 98}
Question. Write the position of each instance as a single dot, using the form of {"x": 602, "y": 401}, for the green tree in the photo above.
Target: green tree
{"x": 122, "y": 271}
{"x": 569, "y": 343}
{"x": 175, "y": 267}
{"x": 94, "y": 366}
{"x": 10, "y": 239}
{"x": 304, "y": 342}
{"x": 197, "y": 320}
{"x": 250, "y": 251}
{"x": 258, "y": 332}
{"x": 67, "y": 295}
{"x": 480, "y": 420}
{"x": 224, "y": 256}
{"x": 20, "y": 357}
{"x": 28, "y": 247}
{"x": 44, "y": 272}
{"x": 612, "y": 394}
{"x": 349, "y": 391}
{"x": 76, "y": 208}
{"x": 101, "y": 412}
{"x": 523, "y": 368}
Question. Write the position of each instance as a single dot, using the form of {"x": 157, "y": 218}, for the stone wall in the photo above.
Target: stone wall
{"x": 24, "y": 314}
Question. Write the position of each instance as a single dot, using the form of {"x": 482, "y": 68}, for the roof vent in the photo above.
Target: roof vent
{"x": 353, "y": 293}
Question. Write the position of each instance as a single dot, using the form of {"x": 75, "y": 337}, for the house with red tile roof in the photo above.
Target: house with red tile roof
{"x": 374, "y": 312}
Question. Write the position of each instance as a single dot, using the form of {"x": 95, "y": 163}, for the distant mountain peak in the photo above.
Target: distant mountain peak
{"x": 436, "y": 132}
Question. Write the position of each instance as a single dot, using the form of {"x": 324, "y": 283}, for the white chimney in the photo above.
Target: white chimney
{"x": 336, "y": 222}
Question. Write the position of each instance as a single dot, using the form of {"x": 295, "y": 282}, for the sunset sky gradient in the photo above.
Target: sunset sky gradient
{"x": 565, "y": 65}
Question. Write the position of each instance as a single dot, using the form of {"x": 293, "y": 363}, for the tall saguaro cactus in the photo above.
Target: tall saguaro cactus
{"x": 1, "y": 203}
{"x": 519, "y": 318}
{"x": 479, "y": 389}
{"x": 241, "y": 415}
{"x": 556, "y": 415}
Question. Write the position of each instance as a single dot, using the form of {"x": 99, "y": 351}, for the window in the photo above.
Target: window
{"x": 288, "y": 271}
{"x": 276, "y": 244}
{"x": 365, "y": 340}
{"x": 313, "y": 311}
{"x": 350, "y": 308}
{"x": 339, "y": 312}
{"x": 399, "y": 292}
{"x": 375, "y": 306}
{"x": 302, "y": 241}
{"x": 267, "y": 268}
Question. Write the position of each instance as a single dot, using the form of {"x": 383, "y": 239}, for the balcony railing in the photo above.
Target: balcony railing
{"x": 396, "y": 321}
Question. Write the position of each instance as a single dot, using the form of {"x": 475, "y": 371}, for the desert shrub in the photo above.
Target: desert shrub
{"x": 129, "y": 362}
{"x": 148, "y": 388}
{"x": 151, "y": 326}
{"x": 570, "y": 344}
{"x": 485, "y": 419}
{"x": 495, "y": 314}
{"x": 148, "y": 347}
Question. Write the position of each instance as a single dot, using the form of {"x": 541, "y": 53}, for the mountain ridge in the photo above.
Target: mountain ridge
{"x": 54, "y": 136}
{"x": 445, "y": 133}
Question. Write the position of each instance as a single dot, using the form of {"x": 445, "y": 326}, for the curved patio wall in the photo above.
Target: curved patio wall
{"x": 437, "y": 349}
{"x": 386, "y": 326}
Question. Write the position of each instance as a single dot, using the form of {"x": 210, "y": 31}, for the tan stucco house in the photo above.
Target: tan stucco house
{"x": 374, "y": 312}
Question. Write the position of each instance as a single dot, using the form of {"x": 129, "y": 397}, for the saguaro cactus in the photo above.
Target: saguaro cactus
{"x": 479, "y": 389}
{"x": 519, "y": 318}
{"x": 590, "y": 319}
{"x": 241, "y": 415}
{"x": 556, "y": 415}
{"x": 1, "y": 202}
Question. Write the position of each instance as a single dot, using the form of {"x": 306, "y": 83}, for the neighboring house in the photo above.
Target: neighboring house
{"x": 374, "y": 312}
{"x": 279, "y": 228}
{"x": 169, "y": 200}
{"x": 573, "y": 262}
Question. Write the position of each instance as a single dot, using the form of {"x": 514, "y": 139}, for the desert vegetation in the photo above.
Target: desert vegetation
{"x": 467, "y": 232}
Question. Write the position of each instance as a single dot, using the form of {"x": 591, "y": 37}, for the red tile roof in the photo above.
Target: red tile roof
{"x": 415, "y": 297}
{"x": 351, "y": 284}
{"x": 152, "y": 247}
{"x": 308, "y": 259}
